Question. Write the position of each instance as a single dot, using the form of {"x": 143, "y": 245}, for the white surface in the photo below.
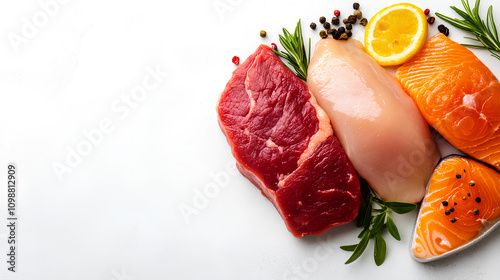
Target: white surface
{"x": 116, "y": 214}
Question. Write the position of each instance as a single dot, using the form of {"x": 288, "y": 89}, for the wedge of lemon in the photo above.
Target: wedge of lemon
{"x": 396, "y": 33}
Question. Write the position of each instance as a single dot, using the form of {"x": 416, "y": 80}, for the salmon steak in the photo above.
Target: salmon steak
{"x": 283, "y": 143}
{"x": 462, "y": 203}
{"x": 457, "y": 95}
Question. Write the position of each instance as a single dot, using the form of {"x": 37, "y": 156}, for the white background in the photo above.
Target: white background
{"x": 114, "y": 213}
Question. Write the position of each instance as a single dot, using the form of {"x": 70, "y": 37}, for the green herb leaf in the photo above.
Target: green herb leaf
{"x": 349, "y": 247}
{"x": 401, "y": 207}
{"x": 360, "y": 248}
{"x": 377, "y": 223}
{"x": 380, "y": 249}
{"x": 486, "y": 33}
{"x": 393, "y": 230}
{"x": 295, "y": 51}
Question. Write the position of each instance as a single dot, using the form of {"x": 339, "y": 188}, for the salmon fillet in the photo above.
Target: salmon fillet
{"x": 462, "y": 201}
{"x": 457, "y": 95}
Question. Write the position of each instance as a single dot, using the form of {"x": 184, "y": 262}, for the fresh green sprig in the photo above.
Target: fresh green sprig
{"x": 486, "y": 33}
{"x": 374, "y": 221}
{"x": 295, "y": 51}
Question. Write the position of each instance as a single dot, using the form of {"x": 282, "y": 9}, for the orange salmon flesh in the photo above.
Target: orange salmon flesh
{"x": 462, "y": 189}
{"x": 457, "y": 95}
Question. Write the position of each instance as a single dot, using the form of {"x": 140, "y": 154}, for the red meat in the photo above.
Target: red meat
{"x": 284, "y": 144}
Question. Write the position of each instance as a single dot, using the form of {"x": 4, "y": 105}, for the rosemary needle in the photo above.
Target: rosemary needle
{"x": 486, "y": 33}
{"x": 295, "y": 51}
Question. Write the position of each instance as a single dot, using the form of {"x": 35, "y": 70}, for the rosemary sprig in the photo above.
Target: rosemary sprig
{"x": 374, "y": 221}
{"x": 295, "y": 52}
{"x": 486, "y": 33}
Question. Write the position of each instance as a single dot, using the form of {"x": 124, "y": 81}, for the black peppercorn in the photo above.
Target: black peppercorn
{"x": 322, "y": 19}
{"x": 335, "y": 21}
{"x": 341, "y": 29}
{"x": 355, "y": 5}
{"x": 472, "y": 183}
{"x": 453, "y": 220}
{"x": 443, "y": 29}
{"x": 336, "y": 34}
{"x": 478, "y": 199}
{"x": 326, "y": 25}
{"x": 330, "y": 31}
{"x": 345, "y": 21}
{"x": 348, "y": 26}
{"x": 452, "y": 209}
{"x": 447, "y": 212}
{"x": 352, "y": 19}
{"x": 313, "y": 25}
{"x": 431, "y": 20}
{"x": 458, "y": 176}
{"x": 445, "y": 203}
{"x": 349, "y": 33}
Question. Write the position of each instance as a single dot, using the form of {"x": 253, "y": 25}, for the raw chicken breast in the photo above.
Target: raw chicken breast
{"x": 377, "y": 123}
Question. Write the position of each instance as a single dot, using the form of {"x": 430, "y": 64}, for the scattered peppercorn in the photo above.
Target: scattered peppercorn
{"x": 263, "y": 34}
{"x": 453, "y": 220}
{"x": 344, "y": 36}
{"x": 472, "y": 183}
{"x": 345, "y": 21}
{"x": 236, "y": 60}
{"x": 468, "y": 194}
{"x": 348, "y": 26}
{"x": 352, "y": 19}
{"x": 426, "y": 11}
{"x": 447, "y": 212}
{"x": 341, "y": 29}
{"x": 330, "y": 31}
{"x": 475, "y": 211}
{"x": 478, "y": 199}
{"x": 323, "y": 34}
{"x": 452, "y": 209}
{"x": 322, "y": 19}
{"x": 454, "y": 203}
{"x": 336, "y": 13}
{"x": 313, "y": 26}
{"x": 464, "y": 198}
{"x": 458, "y": 176}
{"x": 326, "y": 25}
{"x": 335, "y": 21}
{"x": 465, "y": 171}
{"x": 445, "y": 203}
{"x": 349, "y": 33}
{"x": 363, "y": 21}
{"x": 443, "y": 29}
{"x": 431, "y": 20}
{"x": 355, "y": 5}
{"x": 336, "y": 34}
{"x": 358, "y": 14}
{"x": 273, "y": 46}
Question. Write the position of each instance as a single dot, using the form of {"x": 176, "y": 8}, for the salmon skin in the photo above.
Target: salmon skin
{"x": 457, "y": 95}
{"x": 462, "y": 203}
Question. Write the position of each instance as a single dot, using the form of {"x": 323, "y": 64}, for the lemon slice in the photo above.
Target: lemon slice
{"x": 396, "y": 33}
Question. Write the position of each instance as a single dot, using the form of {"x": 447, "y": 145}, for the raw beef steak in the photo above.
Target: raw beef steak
{"x": 284, "y": 144}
